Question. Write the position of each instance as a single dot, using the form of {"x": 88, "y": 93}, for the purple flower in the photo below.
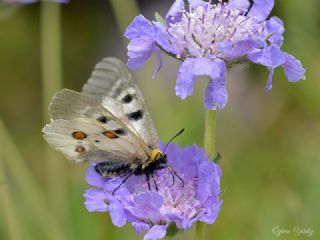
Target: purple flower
{"x": 178, "y": 204}
{"x": 209, "y": 37}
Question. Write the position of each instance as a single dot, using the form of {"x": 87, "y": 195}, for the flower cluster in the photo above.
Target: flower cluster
{"x": 209, "y": 37}
{"x": 174, "y": 204}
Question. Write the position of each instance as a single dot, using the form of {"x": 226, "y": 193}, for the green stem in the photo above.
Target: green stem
{"x": 210, "y": 134}
{"x": 209, "y": 148}
{"x": 50, "y": 52}
{"x": 200, "y": 230}
{"x": 52, "y": 82}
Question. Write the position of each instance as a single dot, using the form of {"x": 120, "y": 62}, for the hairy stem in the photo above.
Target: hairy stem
{"x": 209, "y": 147}
{"x": 210, "y": 134}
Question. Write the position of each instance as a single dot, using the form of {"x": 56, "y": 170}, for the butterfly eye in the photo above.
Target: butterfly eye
{"x": 79, "y": 135}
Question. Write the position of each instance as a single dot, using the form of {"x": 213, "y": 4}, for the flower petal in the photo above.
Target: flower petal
{"x": 268, "y": 86}
{"x": 270, "y": 56}
{"x": 240, "y": 48}
{"x": 159, "y": 58}
{"x": 209, "y": 180}
{"x": 139, "y": 226}
{"x": 162, "y": 41}
{"x": 179, "y": 220}
{"x": 95, "y": 200}
{"x": 150, "y": 200}
{"x": 156, "y": 232}
{"x": 238, "y": 4}
{"x": 139, "y": 51}
{"x": 145, "y": 36}
{"x": 261, "y": 9}
{"x": 93, "y": 178}
{"x": 211, "y": 216}
{"x": 197, "y": 3}
{"x": 293, "y": 68}
{"x": 176, "y": 7}
{"x": 186, "y": 79}
{"x": 147, "y": 205}
{"x": 275, "y": 27}
{"x": 117, "y": 214}
{"x": 140, "y": 26}
{"x": 193, "y": 67}
{"x": 216, "y": 96}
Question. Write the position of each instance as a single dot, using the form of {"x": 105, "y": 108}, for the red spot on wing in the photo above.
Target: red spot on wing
{"x": 110, "y": 134}
{"x": 79, "y": 135}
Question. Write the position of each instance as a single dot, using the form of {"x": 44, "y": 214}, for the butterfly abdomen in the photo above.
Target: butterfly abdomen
{"x": 106, "y": 169}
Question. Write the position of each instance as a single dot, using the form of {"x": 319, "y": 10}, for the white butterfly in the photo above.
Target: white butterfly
{"x": 107, "y": 122}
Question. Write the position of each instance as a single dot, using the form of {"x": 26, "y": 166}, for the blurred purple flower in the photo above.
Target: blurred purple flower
{"x": 197, "y": 200}
{"x": 207, "y": 37}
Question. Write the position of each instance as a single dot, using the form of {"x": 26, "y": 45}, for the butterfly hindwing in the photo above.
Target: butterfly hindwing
{"x": 81, "y": 140}
{"x": 73, "y": 112}
{"x": 74, "y": 144}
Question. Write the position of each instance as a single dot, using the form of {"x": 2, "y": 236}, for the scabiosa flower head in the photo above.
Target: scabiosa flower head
{"x": 207, "y": 37}
{"x": 179, "y": 204}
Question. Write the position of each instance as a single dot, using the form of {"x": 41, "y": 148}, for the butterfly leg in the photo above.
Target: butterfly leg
{"x": 148, "y": 181}
{"x": 123, "y": 181}
{"x": 173, "y": 172}
{"x": 173, "y": 179}
{"x": 155, "y": 183}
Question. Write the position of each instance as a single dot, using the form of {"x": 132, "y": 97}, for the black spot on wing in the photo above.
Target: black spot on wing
{"x": 127, "y": 98}
{"x": 103, "y": 119}
{"x": 135, "y": 116}
{"x": 120, "y": 131}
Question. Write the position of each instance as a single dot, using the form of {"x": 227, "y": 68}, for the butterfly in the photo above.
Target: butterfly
{"x": 107, "y": 123}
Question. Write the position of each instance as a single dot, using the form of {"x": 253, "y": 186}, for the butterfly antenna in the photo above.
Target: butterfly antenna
{"x": 181, "y": 131}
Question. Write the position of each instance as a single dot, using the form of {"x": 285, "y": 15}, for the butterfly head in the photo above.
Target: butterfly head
{"x": 158, "y": 156}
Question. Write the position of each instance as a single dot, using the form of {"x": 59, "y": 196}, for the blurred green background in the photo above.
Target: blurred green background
{"x": 270, "y": 142}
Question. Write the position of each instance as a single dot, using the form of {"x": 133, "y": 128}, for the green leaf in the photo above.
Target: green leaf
{"x": 159, "y": 18}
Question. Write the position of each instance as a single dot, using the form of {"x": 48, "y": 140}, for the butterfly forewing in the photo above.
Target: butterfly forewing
{"x": 112, "y": 85}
